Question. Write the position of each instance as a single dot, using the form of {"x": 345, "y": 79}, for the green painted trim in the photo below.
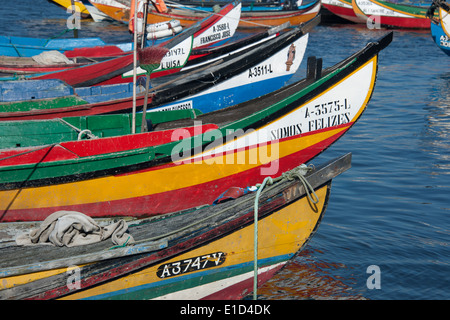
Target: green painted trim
{"x": 42, "y": 104}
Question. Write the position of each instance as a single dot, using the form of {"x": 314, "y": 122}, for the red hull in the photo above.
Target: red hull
{"x": 346, "y": 13}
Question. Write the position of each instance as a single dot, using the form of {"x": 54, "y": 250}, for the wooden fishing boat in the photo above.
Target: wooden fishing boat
{"x": 95, "y": 47}
{"x": 392, "y": 15}
{"x": 440, "y": 26}
{"x": 217, "y": 252}
{"x": 252, "y": 16}
{"x": 246, "y": 74}
{"x": 258, "y": 138}
{"x": 343, "y": 9}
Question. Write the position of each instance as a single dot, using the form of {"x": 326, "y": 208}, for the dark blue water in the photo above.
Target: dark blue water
{"x": 392, "y": 208}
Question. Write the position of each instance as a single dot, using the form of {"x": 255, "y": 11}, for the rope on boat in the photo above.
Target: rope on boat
{"x": 255, "y": 236}
{"x": 80, "y": 132}
{"x": 299, "y": 173}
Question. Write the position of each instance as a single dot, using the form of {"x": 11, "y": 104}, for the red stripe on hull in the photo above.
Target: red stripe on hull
{"x": 75, "y": 111}
{"x": 80, "y": 75}
{"x": 413, "y": 23}
{"x": 87, "y": 148}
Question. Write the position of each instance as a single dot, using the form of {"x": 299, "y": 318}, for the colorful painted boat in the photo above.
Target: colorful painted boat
{"x": 96, "y": 47}
{"x": 252, "y": 16}
{"x": 208, "y": 253}
{"x": 392, "y": 15}
{"x": 246, "y": 74}
{"x": 264, "y": 136}
{"x": 440, "y": 26}
{"x": 343, "y": 9}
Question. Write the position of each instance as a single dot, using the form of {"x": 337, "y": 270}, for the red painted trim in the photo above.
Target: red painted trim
{"x": 346, "y": 13}
{"x": 419, "y": 23}
{"x": 86, "y": 148}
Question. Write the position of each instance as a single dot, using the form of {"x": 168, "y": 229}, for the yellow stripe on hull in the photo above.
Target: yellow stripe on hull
{"x": 68, "y": 3}
{"x": 9, "y": 282}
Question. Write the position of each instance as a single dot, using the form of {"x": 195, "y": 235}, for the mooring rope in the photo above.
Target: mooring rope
{"x": 299, "y": 173}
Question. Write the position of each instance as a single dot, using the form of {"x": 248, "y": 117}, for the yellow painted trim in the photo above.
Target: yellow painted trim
{"x": 67, "y": 3}
{"x": 147, "y": 182}
{"x": 358, "y": 11}
{"x": 9, "y": 282}
{"x": 441, "y": 11}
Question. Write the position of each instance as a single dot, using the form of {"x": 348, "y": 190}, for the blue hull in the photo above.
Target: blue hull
{"x": 28, "y": 47}
{"x": 226, "y": 98}
{"x": 440, "y": 38}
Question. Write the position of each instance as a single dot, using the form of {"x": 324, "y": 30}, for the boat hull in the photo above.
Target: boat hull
{"x": 440, "y": 31}
{"x": 343, "y": 9}
{"x": 386, "y": 14}
{"x": 244, "y": 75}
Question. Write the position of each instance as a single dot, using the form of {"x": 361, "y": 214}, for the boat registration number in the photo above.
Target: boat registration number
{"x": 190, "y": 265}
{"x": 260, "y": 70}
